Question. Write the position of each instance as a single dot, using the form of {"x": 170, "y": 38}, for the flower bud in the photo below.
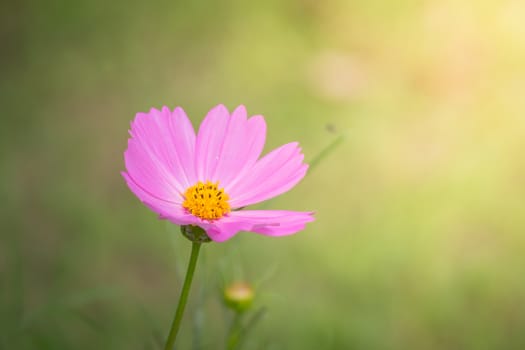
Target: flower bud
{"x": 195, "y": 234}
{"x": 239, "y": 296}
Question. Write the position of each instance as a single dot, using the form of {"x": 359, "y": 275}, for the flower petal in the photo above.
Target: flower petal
{"x": 183, "y": 137}
{"x": 228, "y": 146}
{"x": 166, "y": 209}
{"x": 160, "y": 153}
{"x": 272, "y": 175}
{"x": 209, "y": 143}
{"x": 242, "y": 145}
{"x": 266, "y": 222}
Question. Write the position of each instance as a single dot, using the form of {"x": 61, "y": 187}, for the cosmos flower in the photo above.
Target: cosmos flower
{"x": 204, "y": 179}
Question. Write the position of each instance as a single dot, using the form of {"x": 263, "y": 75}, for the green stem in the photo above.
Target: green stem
{"x": 183, "y": 296}
{"x": 235, "y": 332}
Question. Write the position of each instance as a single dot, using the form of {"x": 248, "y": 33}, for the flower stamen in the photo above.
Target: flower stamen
{"x": 206, "y": 201}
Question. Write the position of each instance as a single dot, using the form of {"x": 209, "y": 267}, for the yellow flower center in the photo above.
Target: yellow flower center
{"x": 206, "y": 201}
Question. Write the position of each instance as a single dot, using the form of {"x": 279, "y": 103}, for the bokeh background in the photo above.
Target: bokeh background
{"x": 419, "y": 238}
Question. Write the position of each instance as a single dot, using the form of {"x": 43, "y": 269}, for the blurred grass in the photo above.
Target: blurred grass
{"x": 418, "y": 241}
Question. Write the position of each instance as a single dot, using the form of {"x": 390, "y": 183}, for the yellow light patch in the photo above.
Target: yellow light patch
{"x": 206, "y": 201}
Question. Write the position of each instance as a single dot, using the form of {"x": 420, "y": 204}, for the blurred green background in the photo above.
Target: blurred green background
{"x": 419, "y": 237}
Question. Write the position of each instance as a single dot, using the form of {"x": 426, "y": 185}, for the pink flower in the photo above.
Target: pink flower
{"x": 202, "y": 179}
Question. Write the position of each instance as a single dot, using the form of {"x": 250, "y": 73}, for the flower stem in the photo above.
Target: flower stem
{"x": 234, "y": 335}
{"x": 175, "y": 325}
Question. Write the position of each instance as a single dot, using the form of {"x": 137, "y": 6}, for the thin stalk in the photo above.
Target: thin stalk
{"x": 175, "y": 325}
{"x": 325, "y": 152}
{"x": 234, "y": 335}
{"x": 238, "y": 332}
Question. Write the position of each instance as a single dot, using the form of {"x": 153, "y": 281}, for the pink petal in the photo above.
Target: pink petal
{"x": 266, "y": 222}
{"x": 183, "y": 137}
{"x": 166, "y": 209}
{"x": 160, "y": 153}
{"x": 242, "y": 145}
{"x": 272, "y": 175}
{"x": 209, "y": 143}
{"x": 228, "y": 146}
{"x": 150, "y": 173}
